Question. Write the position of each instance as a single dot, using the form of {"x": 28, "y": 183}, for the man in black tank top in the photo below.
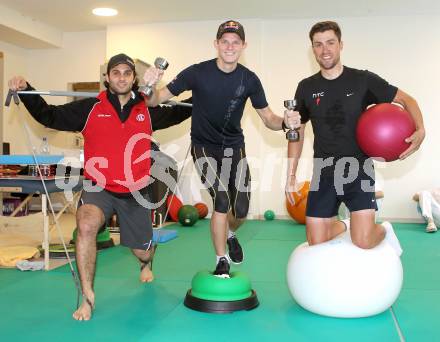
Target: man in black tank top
{"x": 333, "y": 99}
{"x": 220, "y": 88}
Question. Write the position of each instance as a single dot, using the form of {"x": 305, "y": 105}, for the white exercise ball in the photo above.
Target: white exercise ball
{"x": 339, "y": 279}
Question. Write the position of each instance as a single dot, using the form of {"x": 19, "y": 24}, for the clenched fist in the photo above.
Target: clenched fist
{"x": 17, "y": 83}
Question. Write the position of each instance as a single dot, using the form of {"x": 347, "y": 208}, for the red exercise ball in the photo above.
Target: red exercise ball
{"x": 174, "y": 204}
{"x": 202, "y": 208}
{"x": 382, "y": 129}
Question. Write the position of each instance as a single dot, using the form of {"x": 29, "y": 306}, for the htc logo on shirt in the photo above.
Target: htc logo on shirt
{"x": 316, "y": 95}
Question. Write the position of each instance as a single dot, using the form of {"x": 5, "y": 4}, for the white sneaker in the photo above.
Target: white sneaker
{"x": 391, "y": 237}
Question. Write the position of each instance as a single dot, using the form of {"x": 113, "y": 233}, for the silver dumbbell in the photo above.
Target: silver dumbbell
{"x": 291, "y": 134}
{"x": 159, "y": 63}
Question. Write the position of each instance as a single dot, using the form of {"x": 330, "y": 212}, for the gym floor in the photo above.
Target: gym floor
{"x": 38, "y": 305}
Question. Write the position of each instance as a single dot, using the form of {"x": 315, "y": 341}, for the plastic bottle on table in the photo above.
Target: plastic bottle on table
{"x": 44, "y": 148}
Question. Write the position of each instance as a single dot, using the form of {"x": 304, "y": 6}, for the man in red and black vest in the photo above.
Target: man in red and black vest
{"x": 117, "y": 127}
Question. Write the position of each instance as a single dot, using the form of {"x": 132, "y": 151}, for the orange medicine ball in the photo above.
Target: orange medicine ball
{"x": 202, "y": 209}
{"x": 298, "y": 210}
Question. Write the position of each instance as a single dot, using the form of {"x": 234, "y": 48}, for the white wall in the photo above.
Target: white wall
{"x": 78, "y": 60}
{"x": 14, "y": 62}
{"x": 20, "y": 29}
{"x": 402, "y": 49}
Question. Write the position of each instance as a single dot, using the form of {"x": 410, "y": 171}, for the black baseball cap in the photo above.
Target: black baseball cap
{"x": 231, "y": 26}
{"x": 120, "y": 59}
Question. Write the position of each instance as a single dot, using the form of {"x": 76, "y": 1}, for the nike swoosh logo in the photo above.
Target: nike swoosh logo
{"x": 350, "y": 94}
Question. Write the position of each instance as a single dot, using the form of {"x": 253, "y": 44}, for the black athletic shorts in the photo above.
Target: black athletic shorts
{"x": 328, "y": 190}
{"x": 134, "y": 220}
{"x": 225, "y": 174}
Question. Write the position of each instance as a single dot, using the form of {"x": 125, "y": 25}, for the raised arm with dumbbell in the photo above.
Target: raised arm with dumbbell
{"x": 151, "y": 77}
{"x": 160, "y": 64}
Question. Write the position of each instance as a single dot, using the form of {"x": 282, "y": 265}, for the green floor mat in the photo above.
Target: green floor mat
{"x": 38, "y": 305}
{"x": 269, "y": 259}
{"x": 277, "y": 318}
{"x": 418, "y": 312}
{"x": 285, "y": 230}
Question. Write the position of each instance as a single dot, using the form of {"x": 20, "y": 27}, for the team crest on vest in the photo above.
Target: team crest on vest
{"x": 140, "y": 117}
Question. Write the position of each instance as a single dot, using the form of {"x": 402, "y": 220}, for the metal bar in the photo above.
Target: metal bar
{"x": 12, "y": 95}
{"x": 8, "y": 98}
{"x": 86, "y": 94}
{"x": 58, "y": 93}
{"x": 45, "y": 230}
{"x": 177, "y": 103}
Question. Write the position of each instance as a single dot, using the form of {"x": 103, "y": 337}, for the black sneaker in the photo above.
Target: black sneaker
{"x": 222, "y": 269}
{"x": 235, "y": 250}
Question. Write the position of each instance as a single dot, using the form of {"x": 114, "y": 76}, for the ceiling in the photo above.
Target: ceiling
{"x": 71, "y": 16}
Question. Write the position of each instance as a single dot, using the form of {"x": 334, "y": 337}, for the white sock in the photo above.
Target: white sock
{"x": 431, "y": 227}
{"x": 231, "y": 234}
{"x": 391, "y": 237}
{"x": 347, "y": 224}
{"x": 221, "y": 256}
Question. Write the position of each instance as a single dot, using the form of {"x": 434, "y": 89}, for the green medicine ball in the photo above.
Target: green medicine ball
{"x": 269, "y": 215}
{"x": 188, "y": 215}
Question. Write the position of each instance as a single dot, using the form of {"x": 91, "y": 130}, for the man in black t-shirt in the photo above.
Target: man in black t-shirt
{"x": 333, "y": 99}
{"x": 220, "y": 88}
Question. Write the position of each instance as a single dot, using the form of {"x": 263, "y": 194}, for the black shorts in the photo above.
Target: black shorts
{"x": 225, "y": 174}
{"x": 326, "y": 194}
{"x": 134, "y": 220}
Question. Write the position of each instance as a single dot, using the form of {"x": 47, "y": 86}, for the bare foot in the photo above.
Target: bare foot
{"x": 146, "y": 273}
{"x": 84, "y": 312}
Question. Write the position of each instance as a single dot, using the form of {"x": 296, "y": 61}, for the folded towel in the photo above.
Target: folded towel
{"x": 9, "y": 256}
{"x": 26, "y": 265}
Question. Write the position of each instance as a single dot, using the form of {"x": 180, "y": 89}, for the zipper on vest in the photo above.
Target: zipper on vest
{"x": 122, "y": 110}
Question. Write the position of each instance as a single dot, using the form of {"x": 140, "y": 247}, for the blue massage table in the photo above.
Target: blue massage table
{"x": 32, "y": 185}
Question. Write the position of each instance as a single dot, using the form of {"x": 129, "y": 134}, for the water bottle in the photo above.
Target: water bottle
{"x": 44, "y": 148}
